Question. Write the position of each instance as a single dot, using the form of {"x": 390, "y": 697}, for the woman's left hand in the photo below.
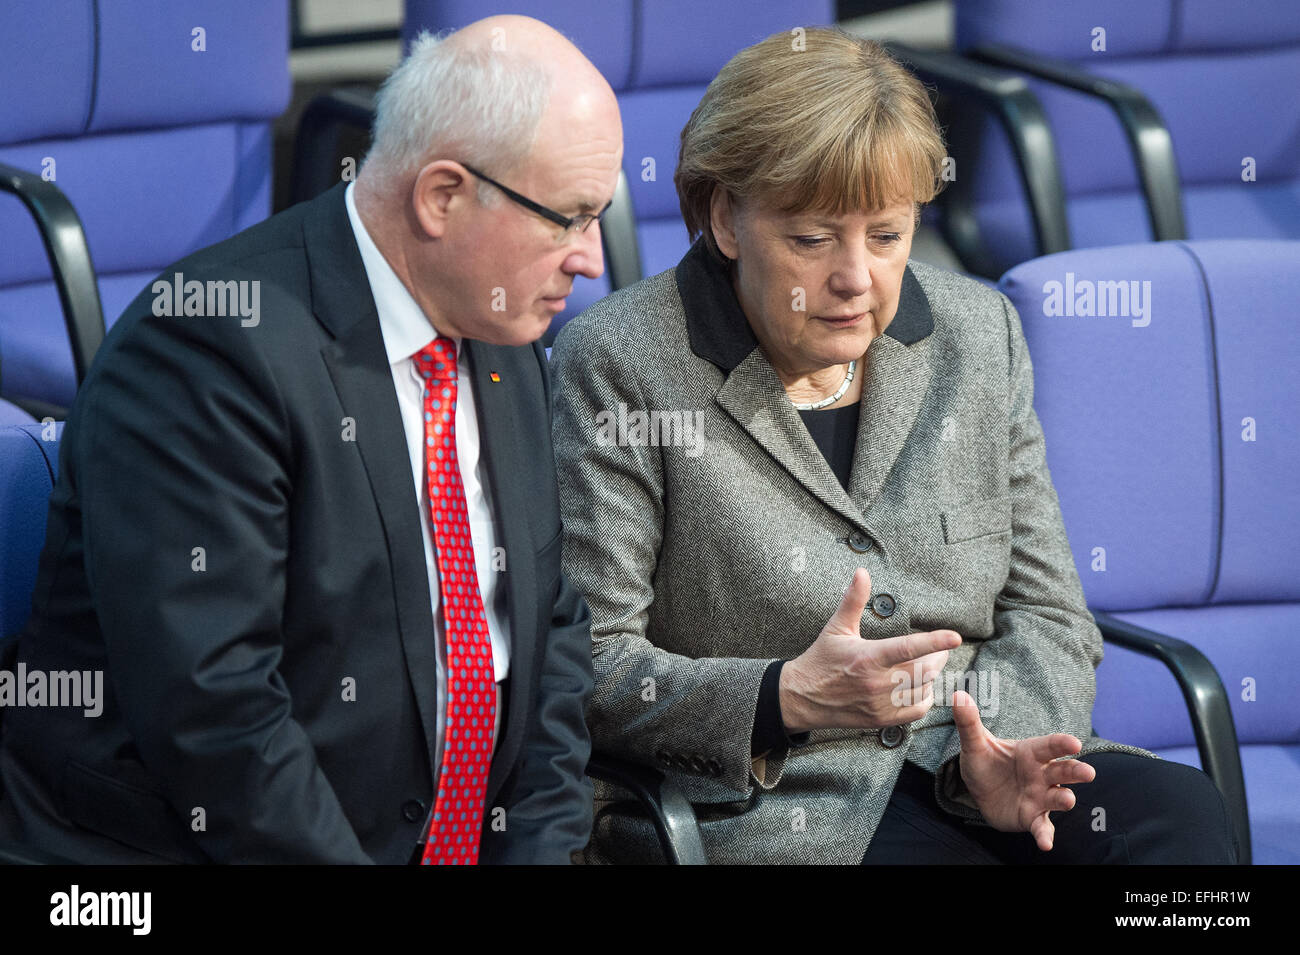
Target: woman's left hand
{"x": 1016, "y": 783}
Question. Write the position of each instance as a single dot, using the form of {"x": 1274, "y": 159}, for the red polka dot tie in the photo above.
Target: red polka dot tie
{"x": 471, "y": 686}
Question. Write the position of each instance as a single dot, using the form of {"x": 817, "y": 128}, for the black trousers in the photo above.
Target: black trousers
{"x": 1153, "y": 812}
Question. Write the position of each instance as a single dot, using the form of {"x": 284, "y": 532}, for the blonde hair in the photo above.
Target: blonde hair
{"x": 832, "y": 123}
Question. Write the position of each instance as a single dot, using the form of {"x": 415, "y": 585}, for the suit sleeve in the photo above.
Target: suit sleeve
{"x": 1045, "y": 647}
{"x": 652, "y": 706}
{"x": 550, "y": 815}
{"x": 184, "y": 477}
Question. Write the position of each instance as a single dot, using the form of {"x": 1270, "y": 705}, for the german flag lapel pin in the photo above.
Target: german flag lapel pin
{"x": 494, "y": 376}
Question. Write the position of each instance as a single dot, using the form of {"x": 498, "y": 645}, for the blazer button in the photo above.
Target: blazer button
{"x": 714, "y": 767}
{"x": 664, "y": 757}
{"x": 882, "y": 605}
{"x": 413, "y": 810}
{"x": 683, "y": 763}
{"x": 698, "y": 764}
{"x": 859, "y": 542}
{"x": 891, "y": 736}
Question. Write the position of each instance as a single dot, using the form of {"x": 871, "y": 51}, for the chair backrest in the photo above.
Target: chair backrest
{"x": 659, "y": 69}
{"x": 1222, "y": 75}
{"x": 153, "y": 117}
{"x": 11, "y": 414}
{"x": 1167, "y": 387}
{"x": 673, "y": 67}
{"x": 29, "y": 466}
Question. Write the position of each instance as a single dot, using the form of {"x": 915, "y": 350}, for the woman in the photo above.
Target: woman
{"x": 796, "y": 440}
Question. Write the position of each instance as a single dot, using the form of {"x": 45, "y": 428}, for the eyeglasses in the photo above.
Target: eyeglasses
{"x": 571, "y": 224}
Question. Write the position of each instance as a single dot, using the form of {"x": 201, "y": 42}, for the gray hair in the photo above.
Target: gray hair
{"x": 453, "y": 101}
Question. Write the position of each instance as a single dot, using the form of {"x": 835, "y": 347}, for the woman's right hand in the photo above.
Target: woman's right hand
{"x": 845, "y": 682}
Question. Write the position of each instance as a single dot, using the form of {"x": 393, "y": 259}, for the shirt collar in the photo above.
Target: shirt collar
{"x": 405, "y": 328}
{"x": 720, "y": 332}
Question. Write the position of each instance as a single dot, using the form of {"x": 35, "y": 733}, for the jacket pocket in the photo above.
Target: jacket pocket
{"x": 977, "y": 519}
{"x": 136, "y": 818}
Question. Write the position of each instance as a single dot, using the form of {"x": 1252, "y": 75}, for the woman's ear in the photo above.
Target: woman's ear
{"x": 722, "y": 220}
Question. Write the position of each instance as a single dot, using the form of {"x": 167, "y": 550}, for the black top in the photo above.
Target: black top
{"x": 835, "y": 432}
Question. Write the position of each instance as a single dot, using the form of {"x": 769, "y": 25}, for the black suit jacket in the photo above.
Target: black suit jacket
{"x": 272, "y": 697}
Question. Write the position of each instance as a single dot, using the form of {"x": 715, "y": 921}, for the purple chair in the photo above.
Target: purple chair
{"x": 154, "y": 118}
{"x": 1184, "y": 125}
{"x": 11, "y": 414}
{"x": 29, "y": 465}
{"x": 674, "y": 64}
{"x": 1167, "y": 388}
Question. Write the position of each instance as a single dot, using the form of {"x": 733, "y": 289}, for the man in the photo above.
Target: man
{"x": 314, "y": 545}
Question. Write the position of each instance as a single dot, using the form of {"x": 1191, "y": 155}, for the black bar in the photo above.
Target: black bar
{"x": 1148, "y": 137}
{"x": 304, "y": 41}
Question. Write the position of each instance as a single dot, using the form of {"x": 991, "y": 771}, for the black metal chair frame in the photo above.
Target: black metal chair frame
{"x": 74, "y": 274}
{"x": 1145, "y": 129}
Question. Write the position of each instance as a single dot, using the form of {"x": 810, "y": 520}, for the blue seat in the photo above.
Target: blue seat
{"x": 29, "y": 465}
{"x": 11, "y": 414}
{"x": 1209, "y": 85}
{"x": 158, "y": 161}
{"x": 1169, "y": 419}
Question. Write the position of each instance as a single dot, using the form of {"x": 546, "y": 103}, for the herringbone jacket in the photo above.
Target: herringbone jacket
{"x": 712, "y": 538}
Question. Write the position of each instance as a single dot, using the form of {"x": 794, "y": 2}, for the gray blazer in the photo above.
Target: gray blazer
{"x": 711, "y": 537}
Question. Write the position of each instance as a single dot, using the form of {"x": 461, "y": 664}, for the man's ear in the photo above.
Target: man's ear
{"x": 438, "y": 188}
{"x": 722, "y": 219}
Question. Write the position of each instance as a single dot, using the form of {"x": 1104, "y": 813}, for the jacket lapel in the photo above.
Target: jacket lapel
{"x": 507, "y": 469}
{"x": 358, "y": 366}
{"x": 897, "y": 376}
{"x": 754, "y": 397}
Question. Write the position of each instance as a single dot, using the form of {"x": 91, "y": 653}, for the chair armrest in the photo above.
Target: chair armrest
{"x": 65, "y": 245}
{"x": 1018, "y": 110}
{"x": 1148, "y": 137}
{"x": 1207, "y": 704}
{"x": 672, "y": 815}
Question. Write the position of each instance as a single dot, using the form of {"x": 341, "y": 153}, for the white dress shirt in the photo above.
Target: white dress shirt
{"x": 406, "y": 331}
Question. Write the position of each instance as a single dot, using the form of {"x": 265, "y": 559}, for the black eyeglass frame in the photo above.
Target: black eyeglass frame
{"x": 570, "y": 223}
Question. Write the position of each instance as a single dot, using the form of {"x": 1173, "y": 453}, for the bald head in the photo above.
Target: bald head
{"x": 533, "y": 39}
{"x": 510, "y": 100}
{"x": 482, "y": 95}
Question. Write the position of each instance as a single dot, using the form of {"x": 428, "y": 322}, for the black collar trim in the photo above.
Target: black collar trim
{"x": 720, "y": 332}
